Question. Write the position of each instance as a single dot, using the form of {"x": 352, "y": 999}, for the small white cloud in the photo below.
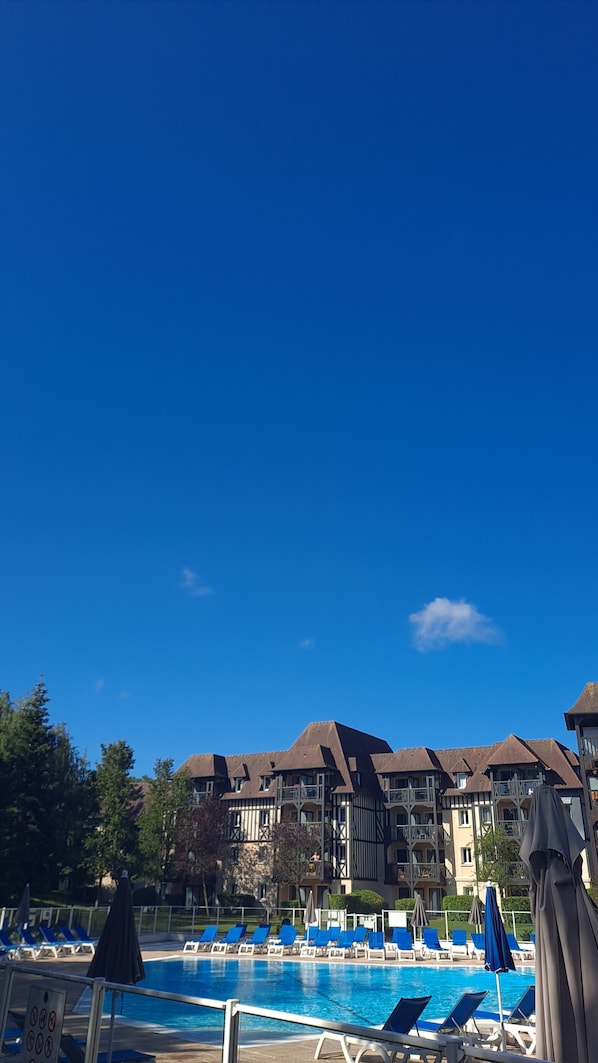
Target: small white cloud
{"x": 307, "y": 644}
{"x": 443, "y": 621}
{"x": 98, "y": 686}
{"x": 123, "y": 695}
{"x": 191, "y": 584}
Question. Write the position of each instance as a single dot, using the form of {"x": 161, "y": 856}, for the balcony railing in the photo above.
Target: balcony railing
{"x": 302, "y": 793}
{"x": 412, "y": 795}
{"x": 320, "y": 870}
{"x": 516, "y": 788}
{"x": 412, "y": 833}
{"x": 514, "y": 828}
{"x": 412, "y": 874}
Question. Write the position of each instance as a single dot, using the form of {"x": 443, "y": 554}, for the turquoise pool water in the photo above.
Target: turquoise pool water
{"x": 345, "y": 992}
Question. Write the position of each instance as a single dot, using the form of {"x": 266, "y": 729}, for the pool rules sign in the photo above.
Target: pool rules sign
{"x": 43, "y": 1026}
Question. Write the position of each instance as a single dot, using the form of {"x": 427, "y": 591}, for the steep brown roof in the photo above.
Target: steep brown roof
{"x": 420, "y": 758}
{"x": 306, "y": 758}
{"x": 206, "y": 766}
{"x": 586, "y": 705}
{"x": 512, "y": 751}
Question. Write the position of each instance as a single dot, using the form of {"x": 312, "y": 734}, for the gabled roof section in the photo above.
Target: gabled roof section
{"x": 420, "y": 758}
{"x": 206, "y": 766}
{"x": 586, "y": 705}
{"x": 306, "y": 758}
{"x": 344, "y": 743}
{"x": 512, "y": 751}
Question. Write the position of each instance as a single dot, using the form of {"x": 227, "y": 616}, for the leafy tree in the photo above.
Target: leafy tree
{"x": 42, "y": 781}
{"x": 114, "y": 846}
{"x": 203, "y": 830}
{"x": 496, "y": 857}
{"x": 293, "y": 848}
{"x": 161, "y": 822}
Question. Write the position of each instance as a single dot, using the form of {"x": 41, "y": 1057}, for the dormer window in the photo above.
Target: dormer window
{"x": 461, "y": 780}
{"x": 266, "y": 782}
{"x": 238, "y": 784}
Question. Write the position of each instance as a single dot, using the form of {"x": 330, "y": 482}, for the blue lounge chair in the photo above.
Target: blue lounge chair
{"x": 457, "y": 1019}
{"x": 87, "y": 943}
{"x": 317, "y": 946}
{"x": 400, "y": 946}
{"x": 256, "y": 943}
{"x": 478, "y": 946}
{"x": 375, "y": 945}
{"x": 68, "y": 936}
{"x": 285, "y": 942}
{"x": 30, "y": 946}
{"x": 231, "y": 942}
{"x": 520, "y": 951}
{"x": 431, "y": 945}
{"x": 402, "y": 1020}
{"x": 53, "y": 944}
{"x": 458, "y": 943}
{"x": 338, "y": 950}
{"x": 201, "y": 943}
{"x": 8, "y": 947}
{"x": 517, "y": 1024}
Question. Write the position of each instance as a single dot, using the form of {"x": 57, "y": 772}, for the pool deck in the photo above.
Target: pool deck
{"x": 165, "y": 1047}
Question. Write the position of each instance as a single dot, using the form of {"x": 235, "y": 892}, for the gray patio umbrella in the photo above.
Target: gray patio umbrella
{"x": 419, "y": 916}
{"x": 566, "y": 923}
{"x": 22, "y": 912}
{"x": 118, "y": 956}
{"x": 476, "y": 916}
{"x": 311, "y": 918}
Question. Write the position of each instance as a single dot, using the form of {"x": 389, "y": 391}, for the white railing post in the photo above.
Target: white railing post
{"x": 9, "y": 974}
{"x": 94, "y": 1027}
{"x": 230, "y": 1042}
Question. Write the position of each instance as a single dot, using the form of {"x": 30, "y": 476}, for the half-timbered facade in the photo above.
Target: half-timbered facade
{"x": 398, "y": 822}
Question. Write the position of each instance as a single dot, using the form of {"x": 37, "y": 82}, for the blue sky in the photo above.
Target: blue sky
{"x": 299, "y": 329}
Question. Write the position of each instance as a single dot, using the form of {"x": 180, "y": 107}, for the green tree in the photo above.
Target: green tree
{"x": 38, "y": 766}
{"x": 496, "y": 857}
{"x": 162, "y": 820}
{"x": 114, "y": 846}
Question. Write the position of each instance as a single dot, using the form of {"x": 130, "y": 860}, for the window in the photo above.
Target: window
{"x": 485, "y": 815}
{"x": 466, "y": 855}
{"x": 234, "y": 855}
{"x": 463, "y": 817}
{"x": 263, "y": 890}
{"x": 236, "y": 819}
{"x": 266, "y": 782}
{"x": 341, "y": 814}
{"x": 461, "y": 780}
{"x": 263, "y": 853}
{"x": 239, "y": 784}
{"x": 265, "y": 818}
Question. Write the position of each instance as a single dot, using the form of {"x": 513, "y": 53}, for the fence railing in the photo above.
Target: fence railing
{"x": 169, "y": 922}
{"x": 453, "y": 1049}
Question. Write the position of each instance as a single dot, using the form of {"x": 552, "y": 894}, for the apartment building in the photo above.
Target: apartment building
{"x": 397, "y": 822}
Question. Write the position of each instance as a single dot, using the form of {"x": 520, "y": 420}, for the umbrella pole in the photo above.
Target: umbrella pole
{"x": 503, "y": 1039}
{"x": 111, "y": 1029}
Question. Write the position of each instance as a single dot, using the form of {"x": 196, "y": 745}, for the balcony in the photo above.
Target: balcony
{"x": 302, "y": 794}
{"x": 318, "y": 871}
{"x": 412, "y": 795}
{"x": 413, "y": 874}
{"x": 517, "y": 789}
{"x": 514, "y": 828}
{"x": 415, "y": 832}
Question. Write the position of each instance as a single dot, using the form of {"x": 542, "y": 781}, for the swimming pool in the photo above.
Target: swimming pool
{"x": 344, "y": 992}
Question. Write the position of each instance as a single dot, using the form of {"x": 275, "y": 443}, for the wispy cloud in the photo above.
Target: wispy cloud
{"x": 307, "y": 644}
{"x": 98, "y": 686}
{"x": 443, "y": 622}
{"x": 123, "y": 695}
{"x": 190, "y": 583}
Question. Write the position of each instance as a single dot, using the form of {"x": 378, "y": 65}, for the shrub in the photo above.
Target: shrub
{"x": 337, "y": 901}
{"x": 405, "y": 904}
{"x": 364, "y": 901}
